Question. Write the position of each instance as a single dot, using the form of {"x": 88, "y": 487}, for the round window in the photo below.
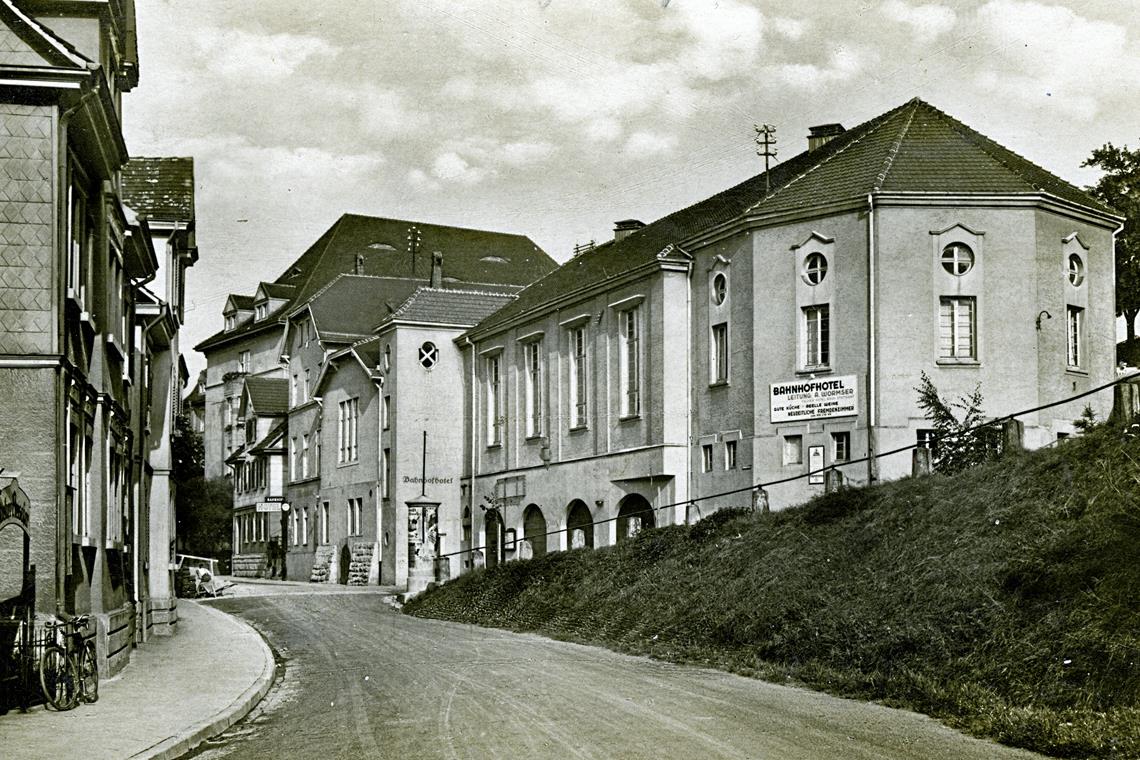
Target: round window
{"x": 1076, "y": 269}
{"x": 957, "y": 259}
{"x": 429, "y": 355}
{"x": 719, "y": 288}
{"x": 815, "y": 268}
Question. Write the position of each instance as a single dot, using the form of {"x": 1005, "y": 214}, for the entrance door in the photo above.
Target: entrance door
{"x": 534, "y": 529}
{"x": 579, "y": 524}
{"x": 634, "y": 515}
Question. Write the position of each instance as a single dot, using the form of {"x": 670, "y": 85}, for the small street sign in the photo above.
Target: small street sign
{"x": 272, "y": 506}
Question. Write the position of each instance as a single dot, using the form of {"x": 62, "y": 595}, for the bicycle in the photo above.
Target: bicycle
{"x": 69, "y": 672}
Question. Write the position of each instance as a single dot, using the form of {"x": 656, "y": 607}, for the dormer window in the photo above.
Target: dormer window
{"x": 260, "y": 312}
{"x": 231, "y": 322}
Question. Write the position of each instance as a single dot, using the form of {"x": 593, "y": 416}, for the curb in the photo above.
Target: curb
{"x": 191, "y": 737}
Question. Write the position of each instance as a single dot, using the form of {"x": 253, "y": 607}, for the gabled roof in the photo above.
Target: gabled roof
{"x": 914, "y": 148}
{"x": 239, "y": 303}
{"x": 364, "y": 353}
{"x": 351, "y": 305}
{"x": 267, "y": 396}
{"x": 468, "y": 255}
{"x": 24, "y": 41}
{"x": 442, "y": 306}
{"x": 160, "y": 188}
{"x": 277, "y": 433}
{"x": 275, "y": 290}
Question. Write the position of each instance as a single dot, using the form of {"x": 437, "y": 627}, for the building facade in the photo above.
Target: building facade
{"x": 87, "y": 342}
{"x": 779, "y": 329}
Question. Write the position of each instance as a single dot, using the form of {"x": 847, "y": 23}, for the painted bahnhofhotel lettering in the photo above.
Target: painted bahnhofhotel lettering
{"x": 774, "y": 328}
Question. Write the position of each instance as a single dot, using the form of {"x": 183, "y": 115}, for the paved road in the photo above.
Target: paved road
{"x": 363, "y": 681}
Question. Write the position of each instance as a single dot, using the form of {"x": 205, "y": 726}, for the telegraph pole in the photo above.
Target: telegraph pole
{"x": 413, "y": 246}
{"x": 766, "y": 148}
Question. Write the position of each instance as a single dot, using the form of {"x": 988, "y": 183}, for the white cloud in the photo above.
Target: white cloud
{"x": 1039, "y": 52}
{"x": 792, "y": 29}
{"x": 233, "y": 52}
{"x": 452, "y": 167}
{"x": 927, "y": 22}
{"x": 519, "y": 154}
{"x": 603, "y": 129}
{"x": 419, "y": 179}
{"x": 843, "y": 65}
{"x": 724, "y": 37}
{"x": 648, "y": 144}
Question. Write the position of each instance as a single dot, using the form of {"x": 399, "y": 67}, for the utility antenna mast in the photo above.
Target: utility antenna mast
{"x": 413, "y": 245}
{"x": 766, "y": 147}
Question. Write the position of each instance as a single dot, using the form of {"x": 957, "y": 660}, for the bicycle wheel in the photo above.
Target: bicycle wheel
{"x": 88, "y": 673}
{"x": 57, "y": 678}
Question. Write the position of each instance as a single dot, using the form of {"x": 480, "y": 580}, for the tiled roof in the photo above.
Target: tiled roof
{"x": 243, "y": 303}
{"x": 351, "y": 305}
{"x": 449, "y": 307}
{"x": 160, "y": 188}
{"x": 368, "y": 351}
{"x": 277, "y": 290}
{"x": 269, "y": 396}
{"x": 469, "y": 256}
{"x": 488, "y": 261}
{"x": 912, "y": 148}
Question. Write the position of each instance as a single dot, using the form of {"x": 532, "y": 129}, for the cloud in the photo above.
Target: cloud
{"x": 722, "y": 39}
{"x": 1041, "y": 51}
{"x": 649, "y": 144}
{"x": 843, "y": 65}
{"x": 452, "y": 167}
{"x": 234, "y": 52}
{"x": 790, "y": 28}
{"x": 603, "y": 129}
{"x": 927, "y": 22}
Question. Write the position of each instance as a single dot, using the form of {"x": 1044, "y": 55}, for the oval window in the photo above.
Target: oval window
{"x": 719, "y": 288}
{"x": 429, "y": 355}
{"x": 815, "y": 268}
{"x": 1076, "y": 269}
{"x": 957, "y": 259}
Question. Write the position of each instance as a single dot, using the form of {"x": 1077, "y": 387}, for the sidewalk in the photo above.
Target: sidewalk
{"x": 176, "y": 692}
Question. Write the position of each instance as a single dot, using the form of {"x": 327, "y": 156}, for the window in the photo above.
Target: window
{"x": 793, "y": 449}
{"x": 706, "y": 457}
{"x": 305, "y": 456}
{"x": 1075, "y": 319}
{"x": 260, "y": 312}
{"x": 630, "y": 339}
{"x": 956, "y": 326}
{"x": 730, "y": 455}
{"x": 386, "y": 413}
{"x": 720, "y": 353}
{"x": 231, "y": 322}
{"x": 578, "y": 389}
{"x": 387, "y": 357}
{"x": 494, "y": 402}
{"x": 324, "y": 526}
{"x": 957, "y": 259}
{"x": 532, "y": 355}
{"x": 346, "y": 430}
{"x": 250, "y": 429}
{"x": 293, "y": 529}
{"x": 304, "y": 525}
{"x": 429, "y": 355}
{"x": 355, "y": 511}
{"x": 841, "y": 447}
{"x": 386, "y": 465}
{"x": 293, "y": 454}
{"x": 817, "y": 336}
{"x": 243, "y": 361}
{"x": 1076, "y": 270}
{"x": 815, "y": 268}
{"x": 295, "y": 390}
{"x": 719, "y": 288}
{"x": 926, "y": 438}
{"x": 305, "y": 387}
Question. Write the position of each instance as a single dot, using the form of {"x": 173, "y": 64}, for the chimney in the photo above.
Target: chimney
{"x": 625, "y": 228}
{"x": 823, "y": 134}
{"x": 437, "y": 270}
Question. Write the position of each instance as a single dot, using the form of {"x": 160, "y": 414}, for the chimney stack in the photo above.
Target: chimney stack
{"x": 626, "y": 227}
{"x": 437, "y": 270}
{"x": 823, "y": 134}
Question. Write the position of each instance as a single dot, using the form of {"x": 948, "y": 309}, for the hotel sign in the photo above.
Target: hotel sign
{"x": 814, "y": 399}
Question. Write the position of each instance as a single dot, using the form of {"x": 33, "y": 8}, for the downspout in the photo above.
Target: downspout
{"x": 474, "y": 439}
{"x": 872, "y": 367}
{"x": 381, "y": 482}
{"x": 691, "y": 389}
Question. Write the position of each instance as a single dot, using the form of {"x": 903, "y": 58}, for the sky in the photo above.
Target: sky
{"x": 555, "y": 118}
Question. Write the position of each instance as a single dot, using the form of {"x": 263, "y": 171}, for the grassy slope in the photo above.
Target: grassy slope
{"x": 1005, "y": 600}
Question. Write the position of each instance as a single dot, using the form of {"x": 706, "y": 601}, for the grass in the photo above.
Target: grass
{"x": 1004, "y": 601}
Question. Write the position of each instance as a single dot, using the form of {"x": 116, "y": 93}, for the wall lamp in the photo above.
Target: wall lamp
{"x": 1045, "y": 314}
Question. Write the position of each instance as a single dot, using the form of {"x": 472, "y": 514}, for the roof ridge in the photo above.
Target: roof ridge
{"x": 320, "y": 256}
{"x": 889, "y": 159}
{"x": 870, "y": 127}
{"x": 465, "y": 291}
{"x": 407, "y": 302}
{"x": 61, "y": 46}
{"x": 434, "y": 224}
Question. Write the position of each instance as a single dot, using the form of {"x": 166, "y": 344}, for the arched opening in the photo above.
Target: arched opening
{"x": 579, "y": 526}
{"x": 634, "y": 515}
{"x": 465, "y": 544}
{"x": 534, "y": 529}
{"x": 493, "y": 537}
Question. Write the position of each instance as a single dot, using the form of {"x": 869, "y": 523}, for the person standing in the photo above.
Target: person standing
{"x": 272, "y": 555}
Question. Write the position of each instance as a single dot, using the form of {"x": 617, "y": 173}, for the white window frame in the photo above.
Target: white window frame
{"x": 494, "y": 400}
{"x": 1074, "y": 336}
{"x": 244, "y": 361}
{"x": 706, "y": 457}
{"x": 629, "y": 346}
{"x": 579, "y": 387}
{"x": 324, "y": 522}
{"x": 841, "y": 446}
{"x": 792, "y": 445}
{"x": 260, "y": 312}
{"x": 347, "y": 415}
{"x": 532, "y": 357}
{"x": 231, "y": 322}
{"x": 730, "y": 452}
{"x": 718, "y": 354}
{"x": 304, "y": 456}
{"x": 953, "y": 330}
{"x": 816, "y": 342}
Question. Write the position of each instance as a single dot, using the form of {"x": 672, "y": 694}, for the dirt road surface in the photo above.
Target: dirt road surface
{"x": 364, "y": 681}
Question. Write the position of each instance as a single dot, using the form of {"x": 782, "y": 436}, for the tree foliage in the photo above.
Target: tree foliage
{"x": 1119, "y": 187}
{"x": 203, "y": 507}
{"x": 956, "y": 449}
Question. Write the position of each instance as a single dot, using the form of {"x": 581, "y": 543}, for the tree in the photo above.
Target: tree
{"x": 954, "y": 448}
{"x": 1119, "y": 188}
{"x": 203, "y": 507}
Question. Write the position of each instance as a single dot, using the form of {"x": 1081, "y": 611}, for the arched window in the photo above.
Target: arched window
{"x": 579, "y": 526}
{"x": 634, "y": 515}
{"x": 534, "y": 529}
